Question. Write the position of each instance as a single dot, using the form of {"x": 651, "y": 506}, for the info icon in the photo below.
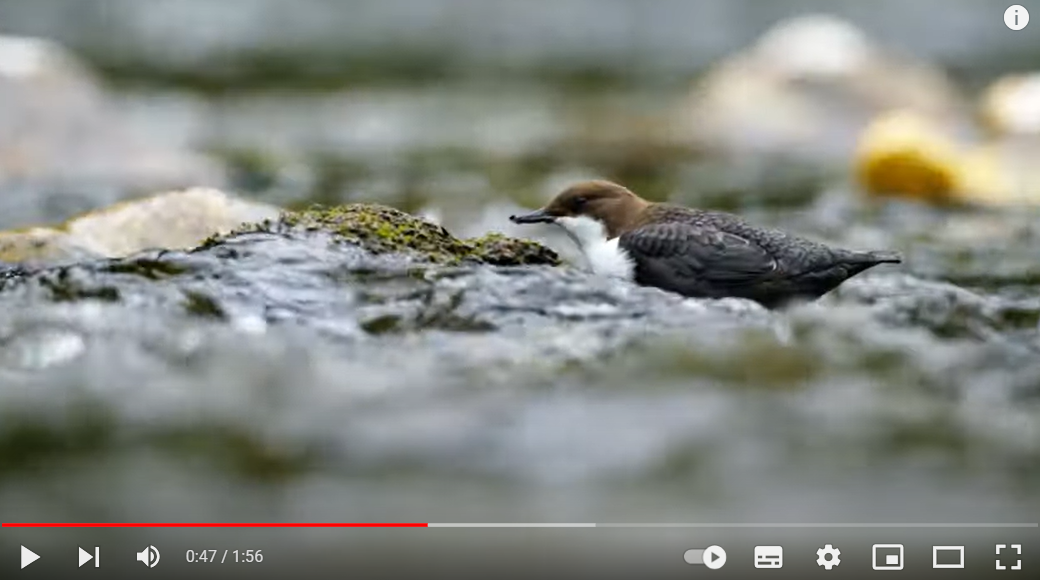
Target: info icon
{"x": 1016, "y": 17}
{"x": 888, "y": 556}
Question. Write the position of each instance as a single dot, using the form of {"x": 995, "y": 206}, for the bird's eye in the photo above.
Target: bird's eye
{"x": 579, "y": 201}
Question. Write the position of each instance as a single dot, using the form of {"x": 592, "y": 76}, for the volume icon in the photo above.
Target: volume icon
{"x": 149, "y": 556}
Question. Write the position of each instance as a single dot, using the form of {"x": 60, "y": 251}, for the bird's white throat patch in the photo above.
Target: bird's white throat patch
{"x": 604, "y": 256}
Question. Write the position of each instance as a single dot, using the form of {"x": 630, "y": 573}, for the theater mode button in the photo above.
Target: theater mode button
{"x": 714, "y": 557}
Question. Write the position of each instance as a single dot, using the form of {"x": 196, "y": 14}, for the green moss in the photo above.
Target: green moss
{"x": 64, "y": 287}
{"x": 501, "y": 250}
{"x": 380, "y": 229}
{"x": 235, "y": 452}
{"x": 203, "y": 306}
{"x": 150, "y": 268}
{"x": 776, "y": 367}
{"x": 28, "y": 443}
{"x": 384, "y": 324}
{"x": 384, "y": 230}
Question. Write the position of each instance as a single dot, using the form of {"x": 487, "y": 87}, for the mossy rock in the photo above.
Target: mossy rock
{"x": 383, "y": 230}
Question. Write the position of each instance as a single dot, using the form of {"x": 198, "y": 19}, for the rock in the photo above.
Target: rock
{"x": 381, "y": 229}
{"x": 172, "y": 220}
{"x": 901, "y": 153}
{"x": 945, "y": 309}
{"x": 60, "y": 132}
{"x": 806, "y": 89}
{"x": 40, "y": 245}
{"x": 367, "y": 271}
{"x": 904, "y": 154}
{"x": 180, "y": 220}
{"x": 1011, "y": 105}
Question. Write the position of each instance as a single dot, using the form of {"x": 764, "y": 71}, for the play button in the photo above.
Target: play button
{"x": 28, "y": 556}
{"x": 714, "y": 557}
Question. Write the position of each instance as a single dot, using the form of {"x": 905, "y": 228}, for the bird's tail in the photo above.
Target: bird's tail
{"x": 856, "y": 262}
{"x": 881, "y": 257}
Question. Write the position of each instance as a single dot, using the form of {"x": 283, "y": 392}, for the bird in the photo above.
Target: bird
{"x": 694, "y": 252}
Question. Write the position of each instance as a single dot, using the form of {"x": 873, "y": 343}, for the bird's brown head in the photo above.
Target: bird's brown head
{"x": 608, "y": 203}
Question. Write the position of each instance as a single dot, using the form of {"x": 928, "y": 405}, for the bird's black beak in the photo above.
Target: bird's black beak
{"x": 538, "y": 216}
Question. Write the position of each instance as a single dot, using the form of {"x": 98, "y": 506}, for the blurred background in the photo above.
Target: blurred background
{"x": 263, "y": 382}
{"x": 456, "y": 104}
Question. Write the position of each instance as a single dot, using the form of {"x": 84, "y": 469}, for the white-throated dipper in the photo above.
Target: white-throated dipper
{"x": 696, "y": 253}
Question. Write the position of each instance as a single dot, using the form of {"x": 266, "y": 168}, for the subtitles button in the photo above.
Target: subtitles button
{"x": 769, "y": 557}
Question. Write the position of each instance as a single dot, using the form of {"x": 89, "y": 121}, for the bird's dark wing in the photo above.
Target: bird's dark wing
{"x": 697, "y": 261}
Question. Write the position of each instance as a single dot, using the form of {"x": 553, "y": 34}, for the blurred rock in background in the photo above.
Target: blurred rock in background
{"x": 904, "y": 153}
{"x": 807, "y": 87}
{"x": 61, "y": 134}
{"x": 1011, "y": 105}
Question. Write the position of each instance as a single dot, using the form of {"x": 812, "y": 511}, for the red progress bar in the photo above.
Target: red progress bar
{"x": 214, "y": 525}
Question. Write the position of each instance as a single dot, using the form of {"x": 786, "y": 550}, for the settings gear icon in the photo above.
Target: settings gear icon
{"x": 828, "y": 556}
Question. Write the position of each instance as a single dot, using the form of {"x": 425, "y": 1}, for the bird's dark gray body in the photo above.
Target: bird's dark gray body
{"x": 709, "y": 254}
{"x": 704, "y": 254}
